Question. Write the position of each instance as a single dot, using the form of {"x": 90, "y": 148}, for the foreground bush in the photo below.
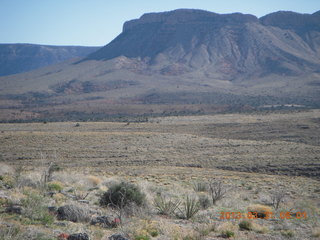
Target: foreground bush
{"x": 35, "y": 208}
{"x": 122, "y": 194}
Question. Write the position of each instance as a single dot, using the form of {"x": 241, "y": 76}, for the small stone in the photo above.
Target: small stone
{"x": 117, "y": 237}
{"x": 14, "y": 209}
{"x": 78, "y": 236}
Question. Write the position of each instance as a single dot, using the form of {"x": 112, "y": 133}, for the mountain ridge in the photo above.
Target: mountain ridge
{"x": 23, "y": 57}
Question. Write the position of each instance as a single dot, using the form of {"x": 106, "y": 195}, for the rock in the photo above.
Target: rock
{"x": 14, "y": 209}
{"x": 83, "y": 201}
{"x": 63, "y": 236}
{"x": 105, "y": 221}
{"x": 117, "y": 237}
{"x": 61, "y": 224}
{"x": 78, "y": 236}
{"x": 73, "y": 213}
{"x": 52, "y": 209}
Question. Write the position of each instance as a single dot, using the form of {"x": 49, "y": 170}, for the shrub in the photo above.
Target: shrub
{"x": 193, "y": 236}
{"x": 35, "y": 209}
{"x": 191, "y": 207}
{"x": 93, "y": 180}
{"x": 258, "y": 228}
{"x": 227, "y": 229}
{"x": 154, "y": 232}
{"x": 316, "y": 233}
{"x": 277, "y": 197}
{"x": 227, "y": 234}
{"x": 288, "y": 233}
{"x": 121, "y": 194}
{"x": 204, "y": 229}
{"x": 217, "y": 190}
{"x": 12, "y": 232}
{"x": 55, "y": 186}
{"x": 166, "y": 207}
{"x": 245, "y": 225}
{"x": 7, "y": 181}
{"x": 142, "y": 237}
{"x": 204, "y": 201}
{"x": 200, "y": 187}
{"x": 146, "y": 229}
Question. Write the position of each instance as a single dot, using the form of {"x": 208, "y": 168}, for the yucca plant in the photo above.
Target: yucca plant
{"x": 166, "y": 207}
{"x": 200, "y": 187}
{"x": 191, "y": 207}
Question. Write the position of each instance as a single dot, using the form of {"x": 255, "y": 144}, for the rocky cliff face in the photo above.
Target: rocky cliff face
{"x": 17, "y": 58}
{"x": 225, "y": 45}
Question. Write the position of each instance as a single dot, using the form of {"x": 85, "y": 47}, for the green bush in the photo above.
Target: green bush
{"x": 142, "y": 237}
{"x": 122, "y": 194}
{"x": 154, "y": 232}
{"x": 227, "y": 234}
{"x": 7, "y": 181}
{"x": 245, "y": 225}
{"x": 35, "y": 210}
{"x": 54, "y": 186}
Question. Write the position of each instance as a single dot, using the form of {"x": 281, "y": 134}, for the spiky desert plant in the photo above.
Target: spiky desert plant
{"x": 191, "y": 207}
{"x": 166, "y": 206}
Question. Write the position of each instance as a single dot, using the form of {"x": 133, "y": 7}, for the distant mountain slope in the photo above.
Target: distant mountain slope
{"x": 179, "y": 61}
{"x": 18, "y": 58}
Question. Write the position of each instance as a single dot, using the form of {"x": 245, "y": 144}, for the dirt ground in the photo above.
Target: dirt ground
{"x": 253, "y": 155}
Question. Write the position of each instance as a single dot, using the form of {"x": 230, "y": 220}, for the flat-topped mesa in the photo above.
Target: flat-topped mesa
{"x": 231, "y": 45}
{"x": 188, "y": 16}
{"x": 291, "y": 20}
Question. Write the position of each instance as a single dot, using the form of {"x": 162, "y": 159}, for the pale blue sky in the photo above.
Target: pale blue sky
{"x": 97, "y": 22}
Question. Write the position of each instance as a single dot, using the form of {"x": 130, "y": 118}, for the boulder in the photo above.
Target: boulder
{"x": 117, "y": 237}
{"x": 78, "y": 236}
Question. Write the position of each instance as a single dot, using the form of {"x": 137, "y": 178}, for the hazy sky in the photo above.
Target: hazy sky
{"x": 97, "y": 22}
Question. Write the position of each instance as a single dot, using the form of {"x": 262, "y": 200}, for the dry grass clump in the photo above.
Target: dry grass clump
{"x": 259, "y": 228}
{"x": 200, "y": 186}
{"x": 93, "y": 180}
{"x": 248, "y": 225}
{"x": 6, "y": 169}
{"x": 288, "y": 233}
{"x": 146, "y": 229}
{"x": 228, "y": 229}
{"x": 170, "y": 230}
{"x": 261, "y": 211}
{"x": 316, "y": 232}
